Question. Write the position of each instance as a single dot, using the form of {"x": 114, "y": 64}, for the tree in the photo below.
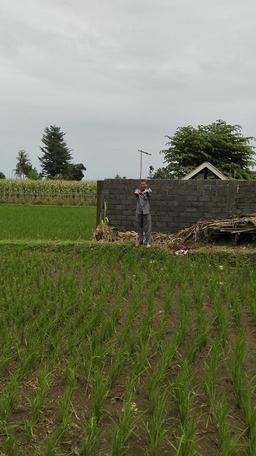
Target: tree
{"x": 2, "y": 176}
{"x": 151, "y": 172}
{"x": 219, "y": 143}
{"x": 33, "y": 174}
{"x": 161, "y": 173}
{"x": 74, "y": 172}
{"x": 23, "y": 166}
{"x": 117, "y": 176}
{"x": 56, "y": 157}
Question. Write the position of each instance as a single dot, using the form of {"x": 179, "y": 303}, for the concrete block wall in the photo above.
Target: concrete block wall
{"x": 176, "y": 204}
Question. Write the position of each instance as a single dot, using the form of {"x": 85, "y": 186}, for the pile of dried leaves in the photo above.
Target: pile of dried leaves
{"x": 203, "y": 231}
{"x": 105, "y": 232}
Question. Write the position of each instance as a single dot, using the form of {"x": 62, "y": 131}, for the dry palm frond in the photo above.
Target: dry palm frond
{"x": 202, "y": 231}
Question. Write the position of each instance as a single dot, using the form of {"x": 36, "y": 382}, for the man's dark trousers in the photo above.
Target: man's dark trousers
{"x": 143, "y": 222}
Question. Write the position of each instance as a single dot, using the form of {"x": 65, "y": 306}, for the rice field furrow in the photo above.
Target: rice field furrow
{"x": 113, "y": 350}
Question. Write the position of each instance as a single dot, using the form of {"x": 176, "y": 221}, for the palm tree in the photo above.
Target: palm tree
{"x": 23, "y": 166}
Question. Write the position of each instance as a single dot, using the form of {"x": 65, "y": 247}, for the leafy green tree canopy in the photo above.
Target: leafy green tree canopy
{"x": 219, "y": 143}
{"x": 33, "y": 174}
{"x": 24, "y": 167}
{"x": 75, "y": 172}
{"x": 2, "y": 176}
{"x": 161, "y": 173}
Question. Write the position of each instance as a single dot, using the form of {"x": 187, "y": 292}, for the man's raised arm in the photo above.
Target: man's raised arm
{"x": 147, "y": 192}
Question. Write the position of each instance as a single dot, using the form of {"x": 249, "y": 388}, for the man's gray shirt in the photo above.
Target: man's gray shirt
{"x": 143, "y": 204}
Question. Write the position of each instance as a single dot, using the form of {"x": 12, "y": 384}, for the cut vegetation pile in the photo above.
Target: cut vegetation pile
{"x": 235, "y": 230}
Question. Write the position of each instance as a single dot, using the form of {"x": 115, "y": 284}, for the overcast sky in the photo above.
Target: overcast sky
{"x": 119, "y": 75}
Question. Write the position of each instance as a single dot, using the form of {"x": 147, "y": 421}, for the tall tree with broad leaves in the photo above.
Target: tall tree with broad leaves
{"x": 75, "y": 171}
{"x": 219, "y": 143}
{"x": 57, "y": 156}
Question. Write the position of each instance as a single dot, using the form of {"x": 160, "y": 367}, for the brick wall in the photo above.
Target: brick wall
{"x": 176, "y": 204}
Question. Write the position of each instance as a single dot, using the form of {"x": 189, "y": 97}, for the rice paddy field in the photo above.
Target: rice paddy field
{"x": 46, "y": 222}
{"x": 116, "y": 350}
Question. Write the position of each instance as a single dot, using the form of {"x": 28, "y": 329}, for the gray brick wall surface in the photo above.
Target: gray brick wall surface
{"x": 176, "y": 204}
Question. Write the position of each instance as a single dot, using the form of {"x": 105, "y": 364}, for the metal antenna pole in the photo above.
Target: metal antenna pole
{"x": 142, "y": 152}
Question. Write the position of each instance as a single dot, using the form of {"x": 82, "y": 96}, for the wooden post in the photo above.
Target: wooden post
{"x": 100, "y": 185}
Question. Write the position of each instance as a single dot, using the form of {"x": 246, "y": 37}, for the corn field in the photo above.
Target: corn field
{"x": 47, "y": 192}
{"x": 113, "y": 350}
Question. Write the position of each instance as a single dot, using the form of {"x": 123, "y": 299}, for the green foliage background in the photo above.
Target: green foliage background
{"x": 221, "y": 144}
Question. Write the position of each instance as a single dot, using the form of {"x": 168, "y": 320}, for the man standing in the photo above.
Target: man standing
{"x": 143, "y": 216}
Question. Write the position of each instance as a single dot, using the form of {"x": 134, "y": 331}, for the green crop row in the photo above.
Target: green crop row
{"x": 48, "y": 191}
{"x": 120, "y": 351}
